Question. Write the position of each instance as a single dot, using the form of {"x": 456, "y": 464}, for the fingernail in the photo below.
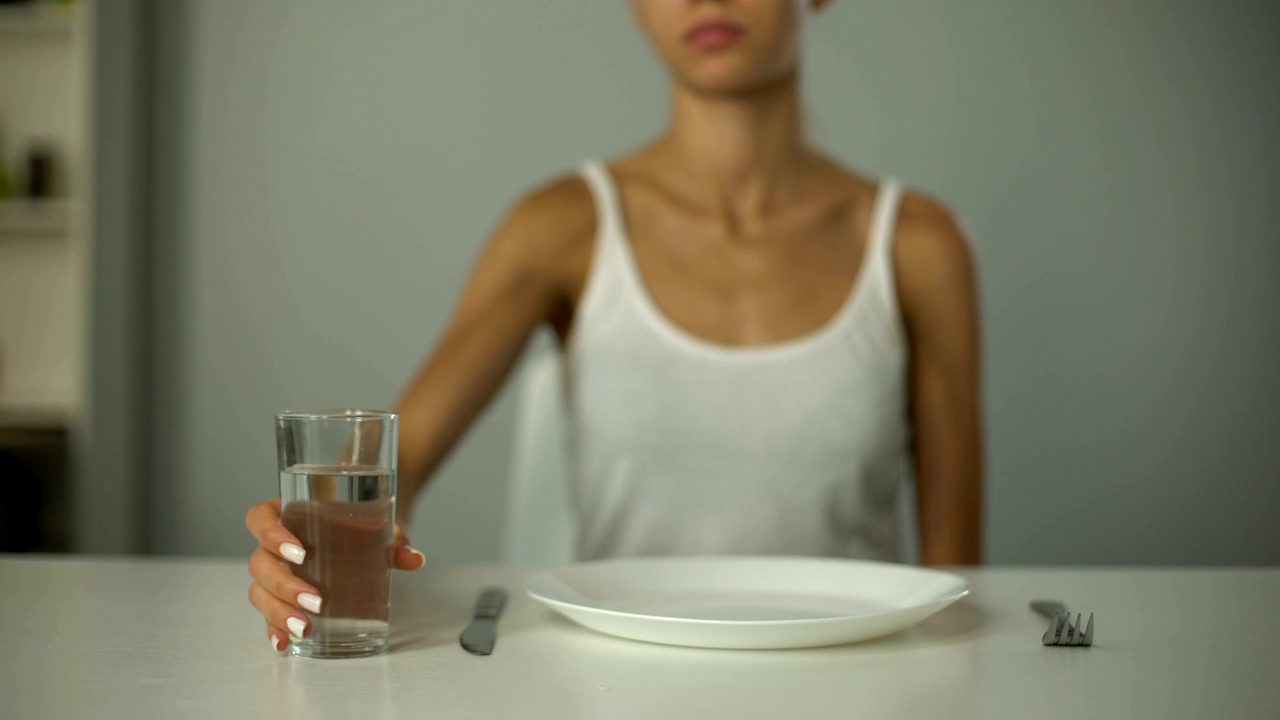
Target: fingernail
{"x": 422, "y": 559}
{"x": 275, "y": 642}
{"x": 297, "y": 626}
{"x": 293, "y": 553}
{"x": 310, "y": 601}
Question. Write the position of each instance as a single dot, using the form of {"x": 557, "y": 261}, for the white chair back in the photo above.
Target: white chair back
{"x": 540, "y": 530}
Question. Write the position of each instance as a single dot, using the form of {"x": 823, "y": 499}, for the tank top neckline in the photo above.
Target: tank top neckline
{"x": 613, "y": 232}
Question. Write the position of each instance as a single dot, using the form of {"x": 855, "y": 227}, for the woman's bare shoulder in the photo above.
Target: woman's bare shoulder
{"x": 549, "y": 231}
{"x": 560, "y": 212}
{"x": 932, "y": 256}
{"x": 930, "y": 233}
{"x": 925, "y": 225}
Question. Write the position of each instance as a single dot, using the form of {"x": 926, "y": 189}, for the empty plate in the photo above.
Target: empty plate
{"x": 746, "y": 602}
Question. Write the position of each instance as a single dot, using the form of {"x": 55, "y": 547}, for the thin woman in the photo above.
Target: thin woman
{"x": 759, "y": 341}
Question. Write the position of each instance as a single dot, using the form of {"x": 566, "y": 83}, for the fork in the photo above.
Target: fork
{"x": 1061, "y": 632}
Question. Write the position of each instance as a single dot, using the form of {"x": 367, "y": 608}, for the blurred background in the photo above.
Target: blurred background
{"x": 211, "y": 210}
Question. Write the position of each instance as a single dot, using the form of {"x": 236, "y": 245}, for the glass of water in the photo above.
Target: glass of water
{"x": 338, "y": 496}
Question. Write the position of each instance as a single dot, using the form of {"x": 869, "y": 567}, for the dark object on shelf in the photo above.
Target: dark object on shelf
{"x": 20, "y": 506}
{"x": 40, "y": 172}
{"x": 35, "y": 502}
{"x": 6, "y": 187}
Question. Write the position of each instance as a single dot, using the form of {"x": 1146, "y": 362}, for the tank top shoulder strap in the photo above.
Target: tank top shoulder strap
{"x": 879, "y": 254}
{"x": 605, "y": 195}
{"x": 608, "y": 287}
{"x": 884, "y": 219}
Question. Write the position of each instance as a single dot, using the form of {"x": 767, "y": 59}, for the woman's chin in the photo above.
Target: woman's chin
{"x": 727, "y": 85}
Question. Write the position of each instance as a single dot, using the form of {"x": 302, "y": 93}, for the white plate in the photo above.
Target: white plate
{"x": 746, "y": 602}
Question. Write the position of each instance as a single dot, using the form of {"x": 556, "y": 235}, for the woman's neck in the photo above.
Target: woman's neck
{"x": 739, "y": 151}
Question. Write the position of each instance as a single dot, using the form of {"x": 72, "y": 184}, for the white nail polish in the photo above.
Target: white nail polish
{"x": 310, "y": 601}
{"x": 297, "y": 626}
{"x": 293, "y": 553}
{"x": 275, "y": 642}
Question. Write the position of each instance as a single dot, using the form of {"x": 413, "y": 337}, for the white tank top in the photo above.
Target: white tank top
{"x": 685, "y": 446}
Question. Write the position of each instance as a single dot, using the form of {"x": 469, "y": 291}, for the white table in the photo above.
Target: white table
{"x": 177, "y": 638}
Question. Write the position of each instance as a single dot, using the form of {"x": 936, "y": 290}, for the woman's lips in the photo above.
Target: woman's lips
{"x": 714, "y": 35}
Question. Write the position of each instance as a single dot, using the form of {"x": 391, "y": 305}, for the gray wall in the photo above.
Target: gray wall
{"x": 111, "y": 508}
{"x": 329, "y": 169}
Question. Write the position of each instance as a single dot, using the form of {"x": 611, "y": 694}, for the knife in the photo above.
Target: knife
{"x": 480, "y": 635}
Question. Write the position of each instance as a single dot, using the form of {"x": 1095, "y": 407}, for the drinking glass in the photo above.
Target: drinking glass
{"x": 338, "y": 496}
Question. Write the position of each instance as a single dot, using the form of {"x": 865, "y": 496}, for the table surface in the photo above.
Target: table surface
{"x": 135, "y": 638}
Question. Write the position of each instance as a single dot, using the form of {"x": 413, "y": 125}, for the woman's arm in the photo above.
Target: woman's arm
{"x": 938, "y": 292}
{"x": 529, "y": 271}
{"x": 531, "y": 268}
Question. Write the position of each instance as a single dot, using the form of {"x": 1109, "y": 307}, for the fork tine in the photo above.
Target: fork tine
{"x": 1050, "y": 635}
{"x": 1068, "y": 632}
{"x": 1078, "y": 638}
{"x": 1063, "y": 627}
{"x": 1088, "y": 632}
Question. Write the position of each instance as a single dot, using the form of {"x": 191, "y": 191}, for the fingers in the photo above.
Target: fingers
{"x": 278, "y": 613}
{"x": 263, "y": 520}
{"x": 276, "y": 592}
{"x": 278, "y": 638}
{"x": 403, "y": 555}
{"x": 407, "y": 558}
{"x": 276, "y": 578}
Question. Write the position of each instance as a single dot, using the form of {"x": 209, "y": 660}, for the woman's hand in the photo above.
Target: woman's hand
{"x": 275, "y": 591}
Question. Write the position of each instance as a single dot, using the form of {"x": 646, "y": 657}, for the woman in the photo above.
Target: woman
{"x": 757, "y": 340}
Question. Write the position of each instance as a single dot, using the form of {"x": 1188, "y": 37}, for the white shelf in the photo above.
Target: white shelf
{"x": 28, "y": 218}
{"x": 36, "y": 19}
